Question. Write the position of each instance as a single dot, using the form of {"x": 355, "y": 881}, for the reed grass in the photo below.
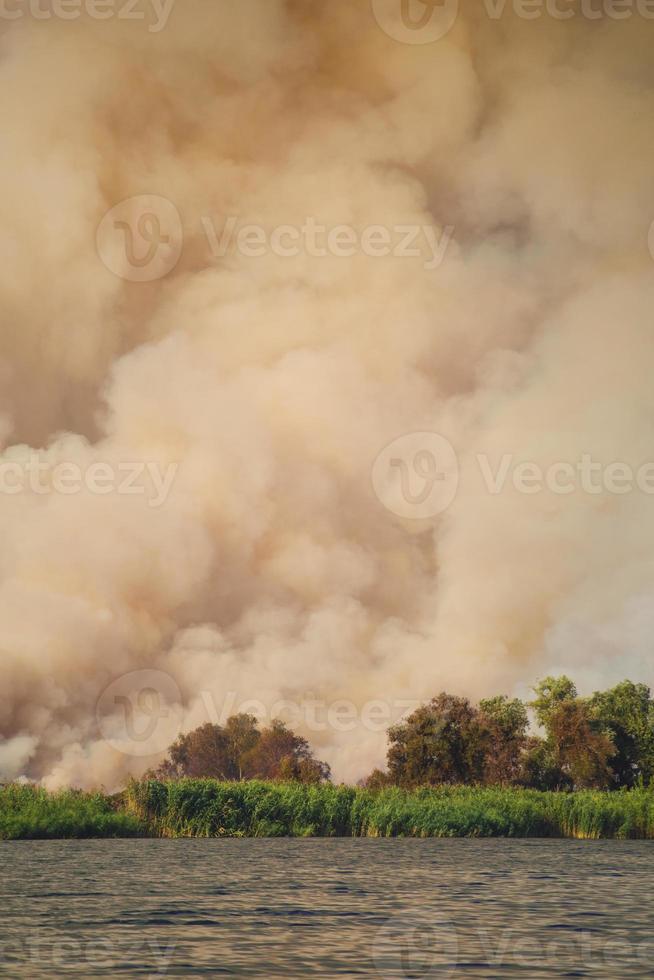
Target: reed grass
{"x": 29, "y": 812}
{"x": 208, "y": 808}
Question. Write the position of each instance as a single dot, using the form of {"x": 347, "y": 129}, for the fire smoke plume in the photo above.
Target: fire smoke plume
{"x": 518, "y": 326}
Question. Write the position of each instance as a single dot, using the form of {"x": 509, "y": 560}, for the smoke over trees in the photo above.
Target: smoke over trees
{"x": 602, "y": 742}
{"x": 496, "y": 195}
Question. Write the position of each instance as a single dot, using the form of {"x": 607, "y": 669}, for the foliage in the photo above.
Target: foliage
{"x": 240, "y": 751}
{"x": 626, "y": 715}
{"x": 580, "y": 750}
{"x": 504, "y": 723}
{"x": 209, "y": 808}
{"x": 441, "y": 742}
{"x": 31, "y": 812}
{"x": 206, "y": 808}
{"x": 602, "y": 742}
{"x": 550, "y": 694}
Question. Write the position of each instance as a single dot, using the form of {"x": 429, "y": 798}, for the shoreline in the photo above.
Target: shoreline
{"x": 207, "y": 808}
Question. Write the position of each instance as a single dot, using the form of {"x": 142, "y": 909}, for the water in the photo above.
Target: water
{"x": 330, "y": 908}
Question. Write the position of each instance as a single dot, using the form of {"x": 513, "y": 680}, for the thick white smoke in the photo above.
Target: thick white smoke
{"x": 272, "y": 381}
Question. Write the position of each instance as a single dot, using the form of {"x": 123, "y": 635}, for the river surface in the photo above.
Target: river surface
{"x": 327, "y": 908}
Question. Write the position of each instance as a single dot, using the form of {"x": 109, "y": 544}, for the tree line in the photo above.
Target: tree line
{"x": 605, "y": 741}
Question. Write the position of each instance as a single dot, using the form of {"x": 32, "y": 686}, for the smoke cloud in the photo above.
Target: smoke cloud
{"x": 273, "y": 372}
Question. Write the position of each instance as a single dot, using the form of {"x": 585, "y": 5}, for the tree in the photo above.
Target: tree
{"x": 240, "y": 751}
{"x": 441, "y": 742}
{"x": 504, "y": 723}
{"x": 281, "y": 754}
{"x": 540, "y": 770}
{"x": 242, "y": 735}
{"x": 305, "y": 770}
{"x": 576, "y": 750}
{"x": 376, "y": 780}
{"x": 206, "y": 751}
{"x": 550, "y": 693}
{"x": 581, "y": 750}
{"x": 626, "y": 714}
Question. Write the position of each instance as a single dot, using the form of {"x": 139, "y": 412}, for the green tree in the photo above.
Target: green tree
{"x": 576, "y": 751}
{"x": 550, "y": 693}
{"x": 441, "y": 742}
{"x": 206, "y": 751}
{"x": 626, "y": 715}
{"x": 242, "y": 735}
{"x": 580, "y": 749}
{"x": 504, "y": 722}
{"x": 540, "y": 769}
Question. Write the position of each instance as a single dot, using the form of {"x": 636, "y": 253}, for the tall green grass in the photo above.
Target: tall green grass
{"x": 28, "y": 812}
{"x": 208, "y": 808}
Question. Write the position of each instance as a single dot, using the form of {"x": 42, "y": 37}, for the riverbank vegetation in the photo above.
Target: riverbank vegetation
{"x": 208, "y": 808}
{"x": 605, "y": 741}
{"x": 30, "y": 812}
{"x": 454, "y": 769}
